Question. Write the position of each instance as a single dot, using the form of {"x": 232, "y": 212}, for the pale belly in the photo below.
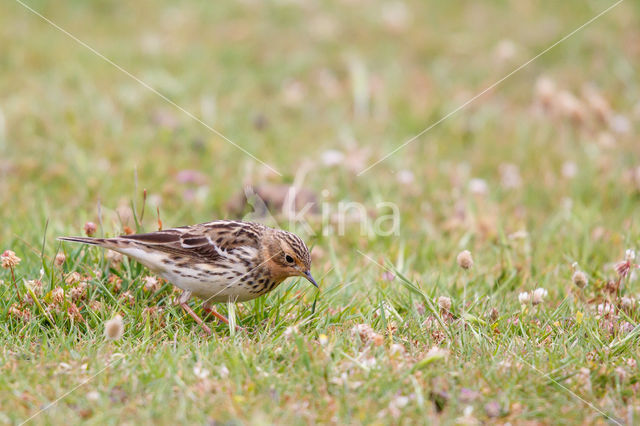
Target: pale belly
{"x": 223, "y": 288}
{"x": 231, "y": 282}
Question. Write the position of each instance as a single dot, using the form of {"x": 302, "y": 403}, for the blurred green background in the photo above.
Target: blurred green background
{"x": 539, "y": 172}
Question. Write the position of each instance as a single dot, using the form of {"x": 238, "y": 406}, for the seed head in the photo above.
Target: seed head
{"x": 444, "y": 303}
{"x": 74, "y": 313}
{"x": 377, "y": 339}
{"x": 538, "y": 295}
{"x": 612, "y": 287}
{"x": 115, "y": 282}
{"x": 73, "y": 278}
{"x": 128, "y": 297}
{"x": 114, "y": 328}
{"x": 524, "y": 297}
{"x": 597, "y": 103}
{"x": 626, "y": 327}
{"x": 57, "y": 295}
{"x": 623, "y": 268}
{"x": 493, "y": 314}
{"x": 580, "y": 279}
{"x": 60, "y": 258}
{"x": 90, "y": 229}
{"x": 510, "y": 176}
{"x": 14, "y": 311}
{"x": 151, "y": 283}
{"x": 545, "y": 91}
{"x": 35, "y": 286}
{"x": 570, "y": 107}
{"x": 627, "y": 303}
{"x": 78, "y": 292}
{"x": 365, "y": 332}
{"x": 9, "y": 259}
{"x": 465, "y": 261}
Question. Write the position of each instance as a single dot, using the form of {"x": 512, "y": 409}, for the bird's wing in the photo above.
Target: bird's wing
{"x": 207, "y": 241}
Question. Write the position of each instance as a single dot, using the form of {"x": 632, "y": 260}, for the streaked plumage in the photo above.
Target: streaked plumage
{"x": 217, "y": 261}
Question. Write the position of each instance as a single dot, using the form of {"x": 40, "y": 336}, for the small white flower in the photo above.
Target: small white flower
{"x": 510, "y": 176}
{"x": 605, "y": 309}
{"x": 524, "y": 297}
{"x": 478, "y": 186}
{"x": 405, "y": 177}
{"x": 620, "y": 124}
{"x": 223, "y": 371}
{"x": 369, "y": 362}
{"x": 538, "y": 295}
{"x": 569, "y": 169}
{"x": 627, "y": 303}
{"x": 521, "y": 234}
{"x": 290, "y": 331}
{"x": 93, "y": 395}
{"x": 401, "y": 401}
{"x": 395, "y": 15}
{"x": 545, "y": 91}
{"x": 64, "y": 366}
{"x": 323, "y": 339}
{"x": 200, "y": 372}
{"x": 396, "y": 348}
{"x": 332, "y": 157}
{"x": 436, "y": 352}
{"x": 505, "y": 50}
{"x": 630, "y": 255}
{"x": 468, "y": 411}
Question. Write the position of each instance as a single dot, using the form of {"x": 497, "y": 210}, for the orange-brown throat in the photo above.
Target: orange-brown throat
{"x": 285, "y": 255}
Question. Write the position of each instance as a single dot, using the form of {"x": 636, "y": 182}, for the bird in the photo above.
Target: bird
{"x": 219, "y": 261}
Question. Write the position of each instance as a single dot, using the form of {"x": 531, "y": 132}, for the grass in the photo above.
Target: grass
{"x": 288, "y": 81}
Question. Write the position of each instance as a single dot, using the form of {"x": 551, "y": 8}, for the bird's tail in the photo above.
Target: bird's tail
{"x": 102, "y": 242}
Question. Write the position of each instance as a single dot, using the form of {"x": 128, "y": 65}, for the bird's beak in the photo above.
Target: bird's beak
{"x": 307, "y": 275}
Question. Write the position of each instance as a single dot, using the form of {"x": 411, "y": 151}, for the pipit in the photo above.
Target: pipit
{"x": 220, "y": 261}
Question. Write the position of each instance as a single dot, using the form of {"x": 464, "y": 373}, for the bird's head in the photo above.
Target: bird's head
{"x": 286, "y": 255}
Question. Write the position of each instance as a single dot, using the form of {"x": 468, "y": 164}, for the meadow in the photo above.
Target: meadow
{"x": 507, "y": 293}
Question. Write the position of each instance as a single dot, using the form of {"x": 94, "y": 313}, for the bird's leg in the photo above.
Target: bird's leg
{"x": 182, "y": 301}
{"x": 211, "y": 310}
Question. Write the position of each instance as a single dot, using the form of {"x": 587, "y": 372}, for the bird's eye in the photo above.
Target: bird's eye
{"x": 288, "y": 258}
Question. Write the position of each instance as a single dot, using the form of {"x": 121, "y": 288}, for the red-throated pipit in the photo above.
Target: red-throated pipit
{"x": 220, "y": 261}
